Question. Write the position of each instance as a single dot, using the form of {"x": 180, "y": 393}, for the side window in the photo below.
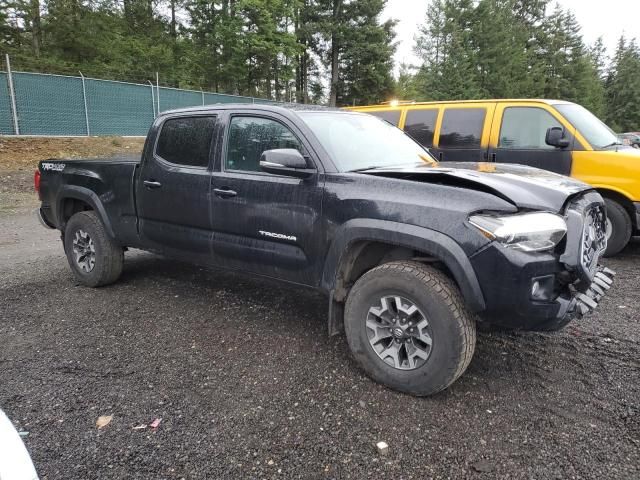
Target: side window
{"x": 391, "y": 116}
{"x": 186, "y": 140}
{"x": 420, "y": 125}
{"x": 250, "y": 136}
{"x": 462, "y": 128}
{"x": 525, "y": 128}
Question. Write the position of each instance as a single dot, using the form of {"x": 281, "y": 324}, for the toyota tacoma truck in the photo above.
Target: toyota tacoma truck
{"x": 410, "y": 254}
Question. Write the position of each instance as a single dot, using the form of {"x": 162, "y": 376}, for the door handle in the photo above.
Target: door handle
{"x": 151, "y": 184}
{"x": 225, "y": 192}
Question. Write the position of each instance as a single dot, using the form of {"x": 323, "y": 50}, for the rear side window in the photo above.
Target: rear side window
{"x": 186, "y": 141}
{"x": 390, "y": 116}
{"x": 462, "y": 128}
{"x": 420, "y": 125}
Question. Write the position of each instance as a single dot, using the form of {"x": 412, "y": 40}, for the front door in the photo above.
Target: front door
{"x": 172, "y": 189}
{"x": 519, "y": 137}
{"x": 264, "y": 223}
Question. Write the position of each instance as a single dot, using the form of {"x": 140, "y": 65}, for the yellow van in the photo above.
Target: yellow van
{"x": 551, "y": 134}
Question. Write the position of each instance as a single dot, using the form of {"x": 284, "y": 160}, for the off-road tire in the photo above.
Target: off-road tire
{"x": 109, "y": 256}
{"x": 621, "y": 227}
{"x": 453, "y": 326}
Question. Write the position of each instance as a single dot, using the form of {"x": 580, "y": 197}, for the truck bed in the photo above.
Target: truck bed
{"x": 107, "y": 183}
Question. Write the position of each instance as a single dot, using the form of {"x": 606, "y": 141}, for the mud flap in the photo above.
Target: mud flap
{"x": 336, "y": 316}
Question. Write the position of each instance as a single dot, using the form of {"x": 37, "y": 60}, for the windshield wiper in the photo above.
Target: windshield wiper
{"x": 612, "y": 144}
{"x": 364, "y": 169}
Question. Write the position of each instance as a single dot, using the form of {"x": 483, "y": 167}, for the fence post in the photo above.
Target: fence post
{"x": 84, "y": 99}
{"x": 12, "y": 94}
{"x": 158, "y": 91}
{"x": 153, "y": 99}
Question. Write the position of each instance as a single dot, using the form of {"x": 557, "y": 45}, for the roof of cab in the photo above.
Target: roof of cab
{"x": 402, "y": 104}
{"x": 282, "y": 107}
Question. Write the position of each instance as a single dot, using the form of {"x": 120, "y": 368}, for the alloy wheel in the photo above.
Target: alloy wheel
{"x": 84, "y": 251}
{"x": 399, "y": 332}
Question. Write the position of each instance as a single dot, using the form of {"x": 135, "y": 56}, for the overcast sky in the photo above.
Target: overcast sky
{"x": 619, "y": 16}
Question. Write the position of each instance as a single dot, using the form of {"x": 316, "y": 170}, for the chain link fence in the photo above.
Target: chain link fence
{"x": 47, "y": 104}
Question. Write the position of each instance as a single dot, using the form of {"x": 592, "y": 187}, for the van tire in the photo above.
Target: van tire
{"x": 450, "y": 324}
{"x": 83, "y": 229}
{"x": 621, "y": 227}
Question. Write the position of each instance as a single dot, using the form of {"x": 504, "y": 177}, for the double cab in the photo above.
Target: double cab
{"x": 409, "y": 252}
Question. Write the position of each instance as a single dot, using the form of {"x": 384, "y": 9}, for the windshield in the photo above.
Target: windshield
{"x": 357, "y": 141}
{"x": 591, "y": 128}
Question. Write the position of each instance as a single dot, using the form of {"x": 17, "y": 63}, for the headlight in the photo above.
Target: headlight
{"x": 528, "y": 232}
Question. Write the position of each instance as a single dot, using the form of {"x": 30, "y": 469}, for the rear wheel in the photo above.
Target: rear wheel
{"x": 95, "y": 259}
{"x": 408, "y": 328}
{"x": 618, "y": 227}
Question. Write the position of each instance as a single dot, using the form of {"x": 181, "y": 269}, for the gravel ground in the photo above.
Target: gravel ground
{"x": 248, "y": 385}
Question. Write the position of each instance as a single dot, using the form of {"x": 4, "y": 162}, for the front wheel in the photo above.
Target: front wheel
{"x": 408, "y": 328}
{"x": 618, "y": 227}
{"x": 95, "y": 259}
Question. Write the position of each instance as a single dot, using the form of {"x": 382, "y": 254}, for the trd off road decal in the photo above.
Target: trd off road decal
{"x": 56, "y": 167}
{"x": 281, "y": 236}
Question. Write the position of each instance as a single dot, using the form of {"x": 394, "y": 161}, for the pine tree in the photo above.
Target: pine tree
{"x": 623, "y": 87}
{"x": 446, "y": 46}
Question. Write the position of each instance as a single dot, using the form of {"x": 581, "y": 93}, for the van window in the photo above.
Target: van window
{"x": 593, "y": 130}
{"x": 526, "y": 128}
{"x": 186, "y": 140}
{"x": 420, "y": 125}
{"x": 462, "y": 128}
{"x": 391, "y": 116}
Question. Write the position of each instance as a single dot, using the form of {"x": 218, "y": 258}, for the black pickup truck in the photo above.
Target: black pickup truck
{"x": 410, "y": 254}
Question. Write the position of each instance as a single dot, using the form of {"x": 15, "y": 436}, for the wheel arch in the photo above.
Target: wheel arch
{"x": 363, "y": 244}
{"x": 73, "y": 199}
{"x": 624, "y": 201}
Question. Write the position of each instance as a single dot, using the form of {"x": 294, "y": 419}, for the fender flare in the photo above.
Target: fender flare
{"x": 429, "y": 241}
{"x": 88, "y": 196}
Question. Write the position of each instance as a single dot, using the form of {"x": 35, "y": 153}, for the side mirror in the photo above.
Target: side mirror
{"x": 555, "y": 138}
{"x": 285, "y": 161}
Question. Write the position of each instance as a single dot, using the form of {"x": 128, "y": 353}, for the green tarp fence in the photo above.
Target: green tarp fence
{"x": 61, "y": 105}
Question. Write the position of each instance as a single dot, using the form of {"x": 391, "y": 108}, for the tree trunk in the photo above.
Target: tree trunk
{"x": 174, "y": 43}
{"x": 335, "y": 53}
{"x": 36, "y": 30}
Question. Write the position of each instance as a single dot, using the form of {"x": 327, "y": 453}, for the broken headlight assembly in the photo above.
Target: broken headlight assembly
{"x": 527, "y": 232}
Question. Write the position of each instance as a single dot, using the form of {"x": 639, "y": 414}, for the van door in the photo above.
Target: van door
{"x": 463, "y": 133}
{"x": 519, "y": 137}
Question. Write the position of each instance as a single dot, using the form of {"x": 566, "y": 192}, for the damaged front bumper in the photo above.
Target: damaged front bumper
{"x": 547, "y": 290}
{"x": 579, "y": 303}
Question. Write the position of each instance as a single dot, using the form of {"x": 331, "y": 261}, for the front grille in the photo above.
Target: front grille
{"x": 586, "y": 237}
{"x": 594, "y": 238}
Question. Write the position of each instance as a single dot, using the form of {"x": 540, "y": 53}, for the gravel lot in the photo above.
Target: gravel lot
{"x": 248, "y": 385}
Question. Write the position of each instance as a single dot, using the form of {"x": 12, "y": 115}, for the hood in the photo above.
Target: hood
{"x": 525, "y": 187}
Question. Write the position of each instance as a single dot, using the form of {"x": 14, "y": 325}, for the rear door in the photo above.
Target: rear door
{"x": 519, "y": 137}
{"x": 463, "y": 132}
{"x": 172, "y": 188}
{"x": 264, "y": 223}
